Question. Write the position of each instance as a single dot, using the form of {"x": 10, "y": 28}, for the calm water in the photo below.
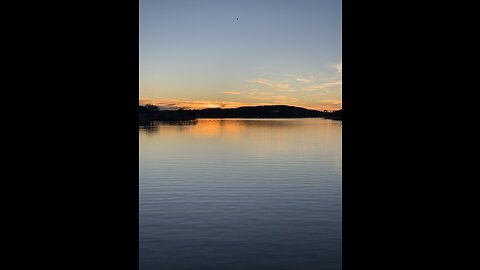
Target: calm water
{"x": 241, "y": 194}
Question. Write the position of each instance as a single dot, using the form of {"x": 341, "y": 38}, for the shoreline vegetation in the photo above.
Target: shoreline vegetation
{"x": 148, "y": 113}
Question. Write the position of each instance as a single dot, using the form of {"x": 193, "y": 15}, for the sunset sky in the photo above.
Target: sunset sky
{"x": 196, "y": 54}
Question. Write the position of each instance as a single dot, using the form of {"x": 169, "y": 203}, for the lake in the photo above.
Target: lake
{"x": 241, "y": 194}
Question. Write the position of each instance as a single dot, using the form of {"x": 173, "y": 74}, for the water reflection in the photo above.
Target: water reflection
{"x": 241, "y": 194}
{"x": 210, "y": 126}
{"x": 263, "y": 138}
{"x": 175, "y": 123}
{"x": 152, "y": 127}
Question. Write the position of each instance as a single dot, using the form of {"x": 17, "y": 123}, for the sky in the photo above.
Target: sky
{"x": 196, "y": 54}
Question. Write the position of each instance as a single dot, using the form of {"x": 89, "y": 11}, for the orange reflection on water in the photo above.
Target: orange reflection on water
{"x": 262, "y": 140}
{"x": 216, "y": 127}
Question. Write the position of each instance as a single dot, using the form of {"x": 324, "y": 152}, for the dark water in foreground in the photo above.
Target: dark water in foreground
{"x": 241, "y": 194}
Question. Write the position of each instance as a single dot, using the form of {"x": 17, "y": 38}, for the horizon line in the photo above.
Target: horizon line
{"x": 265, "y": 105}
{"x": 175, "y": 104}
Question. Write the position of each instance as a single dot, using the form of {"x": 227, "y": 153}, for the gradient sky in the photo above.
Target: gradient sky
{"x": 195, "y": 54}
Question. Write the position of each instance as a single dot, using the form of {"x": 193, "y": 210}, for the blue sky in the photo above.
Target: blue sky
{"x": 197, "y": 54}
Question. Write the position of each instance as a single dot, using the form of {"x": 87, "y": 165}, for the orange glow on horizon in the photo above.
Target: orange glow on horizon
{"x": 169, "y": 104}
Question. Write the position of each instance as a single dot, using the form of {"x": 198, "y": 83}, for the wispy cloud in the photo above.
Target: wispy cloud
{"x": 338, "y": 71}
{"x": 323, "y": 85}
{"x": 175, "y": 104}
{"x": 337, "y": 67}
{"x": 330, "y": 102}
{"x": 271, "y": 99}
{"x": 303, "y": 79}
{"x": 325, "y": 104}
{"x": 232, "y": 92}
{"x": 273, "y": 84}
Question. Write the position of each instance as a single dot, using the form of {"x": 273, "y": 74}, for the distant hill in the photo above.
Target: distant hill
{"x": 271, "y": 111}
{"x": 335, "y": 115}
{"x": 152, "y": 113}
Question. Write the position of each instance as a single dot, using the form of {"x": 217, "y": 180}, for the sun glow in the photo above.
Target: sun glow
{"x": 170, "y": 104}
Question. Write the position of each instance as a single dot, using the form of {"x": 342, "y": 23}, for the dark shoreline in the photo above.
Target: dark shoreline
{"x": 150, "y": 113}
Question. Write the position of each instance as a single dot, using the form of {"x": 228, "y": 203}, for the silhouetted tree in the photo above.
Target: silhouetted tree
{"x": 151, "y": 107}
